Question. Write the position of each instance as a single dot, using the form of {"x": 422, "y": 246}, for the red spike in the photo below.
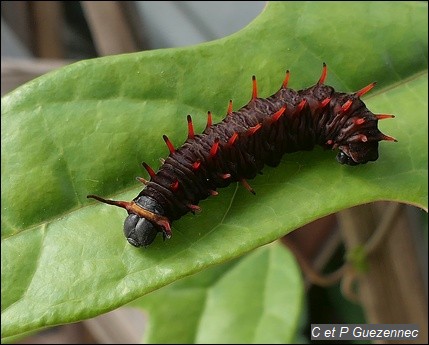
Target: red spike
{"x": 278, "y": 114}
{"x": 359, "y": 121}
{"x": 194, "y": 208}
{"x": 149, "y": 170}
{"x": 215, "y": 148}
{"x": 329, "y": 142}
{"x": 346, "y": 106}
{"x": 196, "y": 165}
{"x": 225, "y": 176}
{"x": 175, "y": 185}
{"x": 233, "y": 138}
{"x": 254, "y": 88}
{"x": 324, "y": 74}
{"x": 384, "y": 116}
{"x": 247, "y": 186}
{"x": 191, "y": 134}
{"x": 142, "y": 180}
{"x": 229, "y": 110}
{"x": 286, "y": 81}
{"x": 325, "y": 102}
{"x": 366, "y": 89}
{"x": 253, "y": 130}
{"x": 213, "y": 192}
{"x": 388, "y": 138}
{"x": 301, "y": 105}
{"x": 209, "y": 119}
{"x": 169, "y": 144}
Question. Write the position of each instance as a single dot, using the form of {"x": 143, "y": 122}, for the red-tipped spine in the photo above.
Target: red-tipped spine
{"x": 229, "y": 110}
{"x": 169, "y": 144}
{"x": 286, "y": 80}
{"x": 388, "y": 138}
{"x": 191, "y": 134}
{"x": 149, "y": 169}
{"x": 209, "y": 119}
{"x": 254, "y": 88}
{"x": 365, "y": 90}
{"x": 384, "y": 116}
{"x": 324, "y": 74}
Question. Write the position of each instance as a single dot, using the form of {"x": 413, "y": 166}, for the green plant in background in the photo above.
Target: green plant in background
{"x": 85, "y": 129}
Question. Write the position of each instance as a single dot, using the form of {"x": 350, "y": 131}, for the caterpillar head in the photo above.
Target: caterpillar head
{"x": 145, "y": 219}
{"x": 359, "y": 144}
{"x": 358, "y": 153}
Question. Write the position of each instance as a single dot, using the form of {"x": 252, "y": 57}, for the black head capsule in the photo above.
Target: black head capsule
{"x": 140, "y": 231}
{"x": 145, "y": 219}
{"x": 358, "y": 153}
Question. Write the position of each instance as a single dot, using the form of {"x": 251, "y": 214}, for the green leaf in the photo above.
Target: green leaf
{"x": 256, "y": 299}
{"x": 84, "y": 129}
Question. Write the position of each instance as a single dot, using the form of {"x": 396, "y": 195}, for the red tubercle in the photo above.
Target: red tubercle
{"x": 325, "y": 102}
{"x": 346, "y": 106}
{"x": 301, "y": 105}
{"x": 359, "y": 121}
{"x": 254, "y": 88}
{"x": 329, "y": 142}
{"x": 247, "y": 186}
{"x": 279, "y": 113}
{"x": 365, "y": 90}
{"x": 191, "y": 133}
{"x": 324, "y": 74}
{"x": 169, "y": 144}
{"x": 286, "y": 80}
{"x": 215, "y": 148}
{"x": 149, "y": 169}
{"x": 233, "y": 138}
{"x": 175, "y": 185}
{"x": 196, "y": 165}
{"x": 229, "y": 110}
{"x": 253, "y": 130}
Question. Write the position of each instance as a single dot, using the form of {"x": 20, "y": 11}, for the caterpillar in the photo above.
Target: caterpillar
{"x": 237, "y": 148}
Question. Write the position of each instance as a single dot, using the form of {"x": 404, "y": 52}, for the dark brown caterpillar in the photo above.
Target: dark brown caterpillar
{"x": 237, "y": 148}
